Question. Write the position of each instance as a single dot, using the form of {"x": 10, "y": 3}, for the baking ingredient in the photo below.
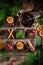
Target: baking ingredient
{"x": 14, "y": 60}
{"x": 30, "y": 35}
{"x": 9, "y": 45}
{"x": 41, "y": 33}
{"x": 30, "y": 45}
{"x": 20, "y": 45}
{"x": 20, "y": 34}
{"x": 11, "y": 33}
{"x": 33, "y": 30}
{"x": 39, "y": 28}
{"x": 10, "y": 19}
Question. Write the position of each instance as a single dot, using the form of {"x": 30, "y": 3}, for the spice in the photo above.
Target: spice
{"x": 10, "y": 35}
{"x": 9, "y": 45}
{"x": 41, "y": 33}
{"x": 20, "y": 34}
{"x": 20, "y": 45}
{"x": 40, "y": 30}
{"x": 10, "y": 19}
{"x": 30, "y": 45}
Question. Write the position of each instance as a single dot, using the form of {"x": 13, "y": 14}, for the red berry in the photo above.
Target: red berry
{"x": 14, "y": 59}
{"x": 8, "y": 45}
{"x": 33, "y": 31}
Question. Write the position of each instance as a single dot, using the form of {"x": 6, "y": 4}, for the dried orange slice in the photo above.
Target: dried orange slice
{"x": 41, "y": 33}
{"x": 20, "y": 45}
{"x": 10, "y": 19}
{"x": 39, "y": 28}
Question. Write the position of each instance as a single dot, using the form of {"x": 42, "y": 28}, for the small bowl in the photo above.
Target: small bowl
{"x": 26, "y": 19}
